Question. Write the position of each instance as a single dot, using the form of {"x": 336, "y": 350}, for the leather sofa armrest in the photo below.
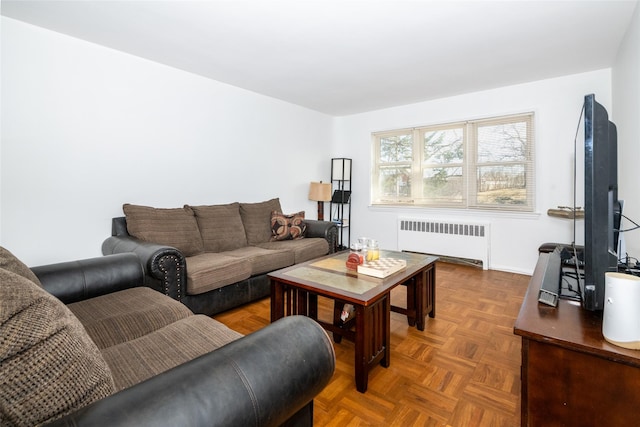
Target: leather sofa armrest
{"x": 78, "y": 280}
{"x": 325, "y": 229}
{"x": 164, "y": 266}
{"x": 262, "y": 379}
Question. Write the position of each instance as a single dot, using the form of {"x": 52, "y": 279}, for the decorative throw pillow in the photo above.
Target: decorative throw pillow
{"x": 287, "y": 227}
{"x": 172, "y": 227}
{"x": 49, "y": 367}
{"x": 9, "y": 262}
{"x": 220, "y": 227}
{"x": 256, "y": 218}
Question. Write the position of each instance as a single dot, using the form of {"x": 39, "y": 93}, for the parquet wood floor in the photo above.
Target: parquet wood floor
{"x": 462, "y": 370}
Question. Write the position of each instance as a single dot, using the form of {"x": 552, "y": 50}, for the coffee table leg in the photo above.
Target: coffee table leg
{"x": 363, "y": 336}
{"x": 421, "y": 300}
{"x": 277, "y": 300}
{"x": 313, "y": 306}
{"x": 337, "y": 321}
{"x": 431, "y": 289}
{"x": 373, "y": 336}
{"x": 386, "y": 332}
{"x": 410, "y": 285}
{"x": 300, "y": 303}
{"x": 425, "y": 296}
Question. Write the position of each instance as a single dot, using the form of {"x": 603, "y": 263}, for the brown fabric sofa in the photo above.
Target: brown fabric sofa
{"x": 83, "y": 343}
{"x": 216, "y": 257}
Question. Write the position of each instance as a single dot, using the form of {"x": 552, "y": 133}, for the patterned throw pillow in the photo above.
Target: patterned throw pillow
{"x": 287, "y": 227}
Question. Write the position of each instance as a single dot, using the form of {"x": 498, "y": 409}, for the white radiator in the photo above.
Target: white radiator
{"x": 447, "y": 238}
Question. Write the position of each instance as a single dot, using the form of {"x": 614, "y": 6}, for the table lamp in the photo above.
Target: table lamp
{"x": 320, "y": 192}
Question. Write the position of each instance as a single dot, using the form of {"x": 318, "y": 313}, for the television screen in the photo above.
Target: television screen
{"x": 602, "y": 209}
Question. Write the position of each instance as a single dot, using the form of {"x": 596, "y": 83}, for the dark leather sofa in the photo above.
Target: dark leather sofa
{"x": 267, "y": 378}
{"x": 172, "y": 270}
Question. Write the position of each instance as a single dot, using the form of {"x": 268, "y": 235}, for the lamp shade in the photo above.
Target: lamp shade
{"x": 320, "y": 191}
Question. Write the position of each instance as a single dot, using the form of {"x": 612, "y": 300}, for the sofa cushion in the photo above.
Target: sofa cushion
{"x": 172, "y": 227}
{"x": 128, "y": 314}
{"x": 137, "y": 360}
{"x": 9, "y": 262}
{"x": 49, "y": 367}
{"x": 256, "y": 218}
{"x": 303, "y": 249}
{"x": 287, "y": 227}
{"x": 220, "y": 227}
{"x": 209, "y": 271}
{"x": 264, "y": 260}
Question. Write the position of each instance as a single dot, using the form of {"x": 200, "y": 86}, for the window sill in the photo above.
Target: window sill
{"x": 471, "y": 213}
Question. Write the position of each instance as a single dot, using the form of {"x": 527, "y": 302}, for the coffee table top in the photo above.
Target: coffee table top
{"x": 329, "y": 276}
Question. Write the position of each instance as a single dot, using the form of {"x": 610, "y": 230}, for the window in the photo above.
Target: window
{"x": 480, "y": 164}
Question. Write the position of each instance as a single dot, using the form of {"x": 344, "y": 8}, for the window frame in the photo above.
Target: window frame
{"x": 470, "y": 166}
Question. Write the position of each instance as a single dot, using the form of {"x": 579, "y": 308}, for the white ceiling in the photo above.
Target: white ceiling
{"x": 345, "y": 57}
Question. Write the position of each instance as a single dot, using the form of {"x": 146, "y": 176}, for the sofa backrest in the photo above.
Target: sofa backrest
{"x": 48, "y": 364}
{"x": 176, "y": 227}
{"x": 221, "y": 227}
{"x": 197, "y": 229}
{"x": 256, "y": 218}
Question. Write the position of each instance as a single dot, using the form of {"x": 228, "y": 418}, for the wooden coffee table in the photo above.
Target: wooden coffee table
{"x": 295, "y": 290}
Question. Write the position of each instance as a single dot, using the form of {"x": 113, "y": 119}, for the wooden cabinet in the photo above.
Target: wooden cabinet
{"x": 571, "y": 376}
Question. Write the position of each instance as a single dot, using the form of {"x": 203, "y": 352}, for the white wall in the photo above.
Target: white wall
{"x": 514, "y": 237}
{"x": 86, "y": 129}
{"x": 626, "y": 115}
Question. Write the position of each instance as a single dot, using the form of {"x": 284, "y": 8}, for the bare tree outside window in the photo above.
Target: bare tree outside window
{"x": 396, "y": 153}
{"x": 482, "y": 164}
{"x": 442, "y": 172}
{"x": 501, "y": 164}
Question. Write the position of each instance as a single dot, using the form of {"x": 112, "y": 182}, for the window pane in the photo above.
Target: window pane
{"x": 477, "y": 164}
{"x": 503, "y": 143}
{"x": 443, "y": 146}
{"x": 397, "y": 148}
{"x": 395, "y": 182}
{"x": 502, "y": 185}
{"x": 443, "y": 184}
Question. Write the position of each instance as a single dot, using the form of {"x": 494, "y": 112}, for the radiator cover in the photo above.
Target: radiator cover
{"x": 457, "y": 239}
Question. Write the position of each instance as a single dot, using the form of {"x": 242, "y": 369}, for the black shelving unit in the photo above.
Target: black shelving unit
{"x": 340, "y": 206}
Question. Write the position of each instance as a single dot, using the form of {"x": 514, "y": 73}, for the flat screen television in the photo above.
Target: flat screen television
{"x": 602, "y": 209}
